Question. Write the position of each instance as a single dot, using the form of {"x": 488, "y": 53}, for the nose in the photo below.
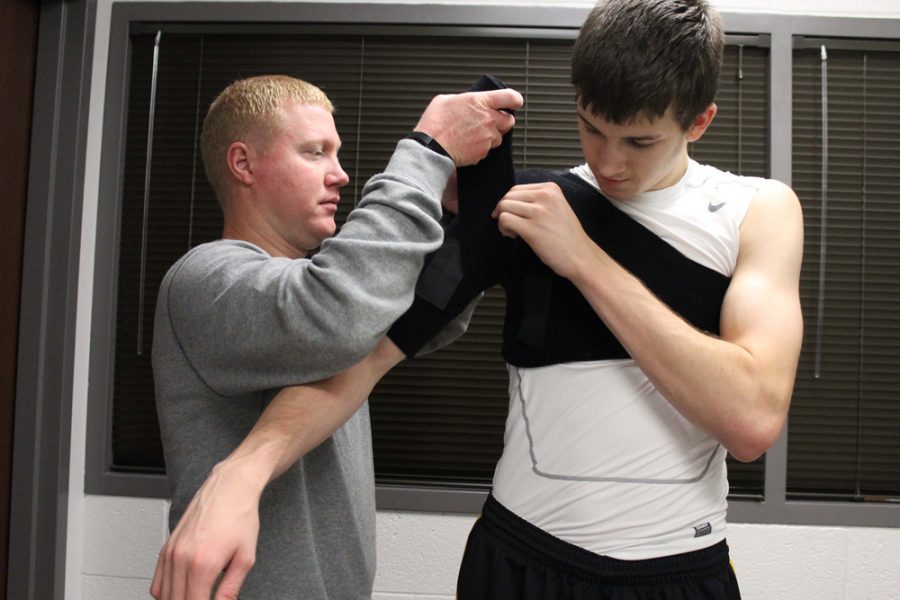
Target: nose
{"x": 611, "y": 161}
{"x": 336, "y": 176}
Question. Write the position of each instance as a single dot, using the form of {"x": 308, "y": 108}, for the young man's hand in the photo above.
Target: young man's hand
{"x": 216, "y": 536}
{"x": 218, "y": 533}
{"x": 540, "y": 214}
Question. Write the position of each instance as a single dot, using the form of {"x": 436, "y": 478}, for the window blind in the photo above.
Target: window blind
{"x": 437, "y": 420}
{"x": 844, "y": 426}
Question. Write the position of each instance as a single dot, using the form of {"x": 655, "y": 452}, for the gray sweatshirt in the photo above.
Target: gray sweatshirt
{"x": 235, "y": 325}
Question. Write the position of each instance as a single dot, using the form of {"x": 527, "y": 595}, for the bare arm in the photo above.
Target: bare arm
{"x": 220, "y": 527}
{"x": 738, "y": 386}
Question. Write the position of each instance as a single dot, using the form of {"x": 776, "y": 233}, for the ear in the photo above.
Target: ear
{"x": 239, "y": 162}
{"x": 701, "y": 123}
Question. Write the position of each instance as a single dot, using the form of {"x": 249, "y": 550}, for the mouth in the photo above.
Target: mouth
{"x": 611, "y": 182}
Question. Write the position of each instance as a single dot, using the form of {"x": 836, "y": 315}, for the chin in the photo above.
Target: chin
{"x": 325, "y": 233}
{"x": 612, "y": 195}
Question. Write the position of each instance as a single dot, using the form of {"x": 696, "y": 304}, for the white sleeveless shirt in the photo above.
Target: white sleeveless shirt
{"x": 593, "y": 454}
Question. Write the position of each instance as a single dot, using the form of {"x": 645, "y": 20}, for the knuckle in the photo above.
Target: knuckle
{"x": 228, "y": 591}
{"x": 245, "y": 561}
{"x": 178, "y": 554}
{"x": 201, "y": 563}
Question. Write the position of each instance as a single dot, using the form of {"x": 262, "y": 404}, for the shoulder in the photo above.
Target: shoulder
{"x": 218, "y": 252}
{"x": 773, "y": 227}
{"x": 777, "y": 192}
{"x": 216, "y": 261}
{"x": 775, "y": 203}
{"x": 728, "y": 185}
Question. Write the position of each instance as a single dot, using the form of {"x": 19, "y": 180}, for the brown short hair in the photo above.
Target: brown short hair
{"x": 637, "y": 58}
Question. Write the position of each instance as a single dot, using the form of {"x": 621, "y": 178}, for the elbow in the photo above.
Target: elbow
{"x": 756, "y": 434}
{"x": 747, "y": 452}
{"x": 750, "y": 447}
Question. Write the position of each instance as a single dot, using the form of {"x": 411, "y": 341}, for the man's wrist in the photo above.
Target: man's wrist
{"x": 255, "y": 465}
{"x": 428, "y": 141}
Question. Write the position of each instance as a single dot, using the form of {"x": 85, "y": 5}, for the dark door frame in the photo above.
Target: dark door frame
{"x": 18, "y": 49}
{"x": 46, "y": 348}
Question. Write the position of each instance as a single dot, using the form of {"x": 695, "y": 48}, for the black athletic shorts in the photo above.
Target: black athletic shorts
{"x": 508, "y": 558}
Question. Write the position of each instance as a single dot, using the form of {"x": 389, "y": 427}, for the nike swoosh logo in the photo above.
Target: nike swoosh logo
{"x": 714, "y": 207}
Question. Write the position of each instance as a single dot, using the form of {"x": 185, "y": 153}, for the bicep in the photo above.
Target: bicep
{"x": 761, "y": 310}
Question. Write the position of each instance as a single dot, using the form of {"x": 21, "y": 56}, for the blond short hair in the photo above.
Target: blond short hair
{"x": 249, "y": 110}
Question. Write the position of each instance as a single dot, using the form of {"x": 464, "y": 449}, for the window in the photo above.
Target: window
{"x": 845, "y": 417}
{"x": 438, "y": 421}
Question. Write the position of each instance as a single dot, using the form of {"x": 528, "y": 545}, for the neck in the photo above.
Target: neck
{"x": 255, "y": 232}
{"x": 676, "y": 175}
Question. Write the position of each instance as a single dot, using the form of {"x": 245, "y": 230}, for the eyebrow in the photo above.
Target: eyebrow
{"x": 319, "y": 143}
{"x": 635, "y": 138}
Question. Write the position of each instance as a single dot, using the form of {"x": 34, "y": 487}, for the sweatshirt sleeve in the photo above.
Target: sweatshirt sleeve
{"x": 247, "y": 321}
{"x": 473, "y": 257}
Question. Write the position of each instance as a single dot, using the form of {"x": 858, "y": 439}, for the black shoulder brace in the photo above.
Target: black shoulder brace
{"x": 548, "y": 321}
{"x": 473, "y": 255}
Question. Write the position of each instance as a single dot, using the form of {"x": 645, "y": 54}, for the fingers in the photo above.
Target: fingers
{"x": 503, "y": 99}
{"x": 526, "y": 207}
{"x": 513, "y": 212}
{"x": 509, "y": 224}
{"x": 156, "y": 586}
{"x": 187, "y": 574}
{"x": 470, "y": 124}
{"x": 230, "y": 585}
{"x": 521, "y": 208}
{"x": 503, "y": 122}
{"x": 175, "y": 584}
{"x": 218, "y": 531}
{"x": 519, "y": 196}
{"x": 200, "y": 578}
{"x": 169, "y": 581}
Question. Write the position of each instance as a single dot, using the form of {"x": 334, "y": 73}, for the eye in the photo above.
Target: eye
{"x": 589, "y": 129}
{"x": 639, "y": 145}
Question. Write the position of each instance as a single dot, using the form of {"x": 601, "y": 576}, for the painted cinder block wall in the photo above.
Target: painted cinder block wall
{"x": 418, "y": 555}
{"x": 112, "y": 542}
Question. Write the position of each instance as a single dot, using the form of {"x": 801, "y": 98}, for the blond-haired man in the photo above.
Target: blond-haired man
{"x": 241, "y": 318}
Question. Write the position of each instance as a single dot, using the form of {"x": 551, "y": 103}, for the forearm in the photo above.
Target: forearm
{"x": 717, "y": 384}
{"x": 299, "y": 418}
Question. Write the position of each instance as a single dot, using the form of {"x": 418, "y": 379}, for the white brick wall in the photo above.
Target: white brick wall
{"x": 418, "y": 555}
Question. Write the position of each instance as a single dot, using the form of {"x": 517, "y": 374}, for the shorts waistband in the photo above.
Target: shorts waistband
{"x": 562, "y": 555}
